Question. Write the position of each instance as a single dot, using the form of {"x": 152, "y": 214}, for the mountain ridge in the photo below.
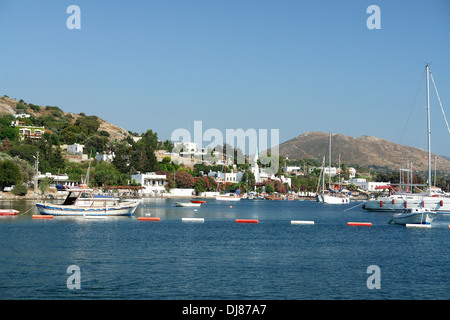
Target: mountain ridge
{"x": 365, "y": 151}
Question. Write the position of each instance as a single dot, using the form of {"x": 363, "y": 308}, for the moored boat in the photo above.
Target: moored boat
{"x": 198, "y": 201}
{"x": 228, "y": 197}
{"x": 186, "y": 204}
{"x": 8, "y": 212}
{"x": 414, "y": 216}
{"x": 81, "y": 201}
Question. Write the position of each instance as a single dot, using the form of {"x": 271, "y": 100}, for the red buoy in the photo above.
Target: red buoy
{"x": 381, "y": 204}
{"x": 38, "y": 216}
{"x": 405, "y": 204}
{"x": 442, "y": 203}
{"x": 362, "y": 224}
{"x": 246, "y": 221}
{"x": 148, "y": 219}
{"x": 393, "y": 201}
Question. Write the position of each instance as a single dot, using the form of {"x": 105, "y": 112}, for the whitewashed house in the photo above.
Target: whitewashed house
{"x": 154, "y": 184}
{"x": 75, "y": 148}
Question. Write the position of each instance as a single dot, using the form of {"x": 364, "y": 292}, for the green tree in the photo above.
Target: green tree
{"x": 88, "y": 124}
{"x": 105, "y": 173}
{"x": 10, "y": 174}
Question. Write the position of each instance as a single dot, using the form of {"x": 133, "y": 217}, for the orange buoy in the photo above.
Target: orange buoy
{"x": 246, "y": 221}
{"x": 39, "y": 216}
{"x": 361, "y": 224}
{"x": 149, "y": 219}
{"x": 442, "y": 203}
{"x": 381, "y": 204}
{"x": 231, "y": 207}
{"x": 393, "y": 201}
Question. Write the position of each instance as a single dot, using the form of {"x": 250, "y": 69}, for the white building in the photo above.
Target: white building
{"x": 75, "y": 149}
{"x": 367, "y": 186}
{"x": 108, "y": 157}
{"x": 154, "y": 184}
{"x": 233, "y": 177}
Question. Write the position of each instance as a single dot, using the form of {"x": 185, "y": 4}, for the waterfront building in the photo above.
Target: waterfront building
{"x": 152, "y": 183}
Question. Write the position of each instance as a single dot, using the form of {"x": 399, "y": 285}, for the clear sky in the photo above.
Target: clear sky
{"x": 291, "y": 65}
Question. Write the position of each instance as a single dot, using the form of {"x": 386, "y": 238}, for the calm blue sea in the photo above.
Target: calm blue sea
{"x": 123, "y": 258}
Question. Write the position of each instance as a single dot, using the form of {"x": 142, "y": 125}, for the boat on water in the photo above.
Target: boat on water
{"x": 228, "y": 197}
{"x": 198, "y": 201}
{"x": 8, "y": 212}
{"x": 398, "y": 200}
{"x": 414, "y": 216}
{"x": 330, "y": 196}
{"x": 81, "y": 201}
{"x": 186, "y": 204}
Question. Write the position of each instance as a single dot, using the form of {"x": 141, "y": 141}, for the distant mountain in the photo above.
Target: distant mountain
{"x": 365, "y": 151}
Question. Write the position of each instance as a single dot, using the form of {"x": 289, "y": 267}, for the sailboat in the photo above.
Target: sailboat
{"x": 427, "y": 200}
{"x": 332, "y": 196}
{"x": 420, "y": 215}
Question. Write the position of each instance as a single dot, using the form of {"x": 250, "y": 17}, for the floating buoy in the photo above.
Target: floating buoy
{"x": 381, "y": 204}
{"x": 231, "y": 207}
{"x": 39, "y": 216}
{"x": 149, "y": 219}
{"x": 246, "y": 221}
{"x": 417, "y": 225}
{"x": 423, "y": 204}
{"x": 393, "y": 201}
{"x": 193, "y": 219}
{"x": 405, "y": 204}
{"x": 361, "y": 224}
{"x": 442, "y": 203}
{"x": 302, "y": 222}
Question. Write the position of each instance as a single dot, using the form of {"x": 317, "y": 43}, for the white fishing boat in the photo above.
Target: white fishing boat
{"x": 414, "y": 216}
{"x": 186, "y": 204}
{"x": 228, "y": 197}
{"x": 81, "y": 201}
{"x": 398, "y": 200}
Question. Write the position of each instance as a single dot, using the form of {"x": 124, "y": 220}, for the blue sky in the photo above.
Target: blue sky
{"x": 296, "y": 66}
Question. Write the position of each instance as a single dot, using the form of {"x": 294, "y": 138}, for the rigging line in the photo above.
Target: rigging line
{"x": 439, "y": 99}
{"x": 411, "y": 110}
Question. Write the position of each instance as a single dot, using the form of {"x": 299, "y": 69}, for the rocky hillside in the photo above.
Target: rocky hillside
{"x": 11, "y": 106}
{"x": 366, "y": 151}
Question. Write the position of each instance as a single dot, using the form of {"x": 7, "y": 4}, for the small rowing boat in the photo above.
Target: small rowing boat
{"x": 8, "y": 212}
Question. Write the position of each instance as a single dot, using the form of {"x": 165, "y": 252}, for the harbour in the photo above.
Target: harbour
{"x": 165, "y": 258}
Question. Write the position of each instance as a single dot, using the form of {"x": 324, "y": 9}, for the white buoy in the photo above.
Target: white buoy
{"x": 417, "y": 225}
{"x": 302, "y": 222}
{"x": 193, "y": 219}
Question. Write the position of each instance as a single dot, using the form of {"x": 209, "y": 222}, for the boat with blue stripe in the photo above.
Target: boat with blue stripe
{"x": 81, "y": 201}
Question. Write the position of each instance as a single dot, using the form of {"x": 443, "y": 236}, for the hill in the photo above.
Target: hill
{"x": 365, "y": 151}
{"x": 11, "y": 106}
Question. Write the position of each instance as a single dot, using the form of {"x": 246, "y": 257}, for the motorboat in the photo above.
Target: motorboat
{"x": 414, "y": 216}
{"x": 186, "y": 204}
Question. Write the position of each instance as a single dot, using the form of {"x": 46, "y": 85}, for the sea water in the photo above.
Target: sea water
{"x": 123, "y": 258}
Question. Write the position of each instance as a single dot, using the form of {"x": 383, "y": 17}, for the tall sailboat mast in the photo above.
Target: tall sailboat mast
{"x": 428, "y": 128}
{"x": 329, "y": 163}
